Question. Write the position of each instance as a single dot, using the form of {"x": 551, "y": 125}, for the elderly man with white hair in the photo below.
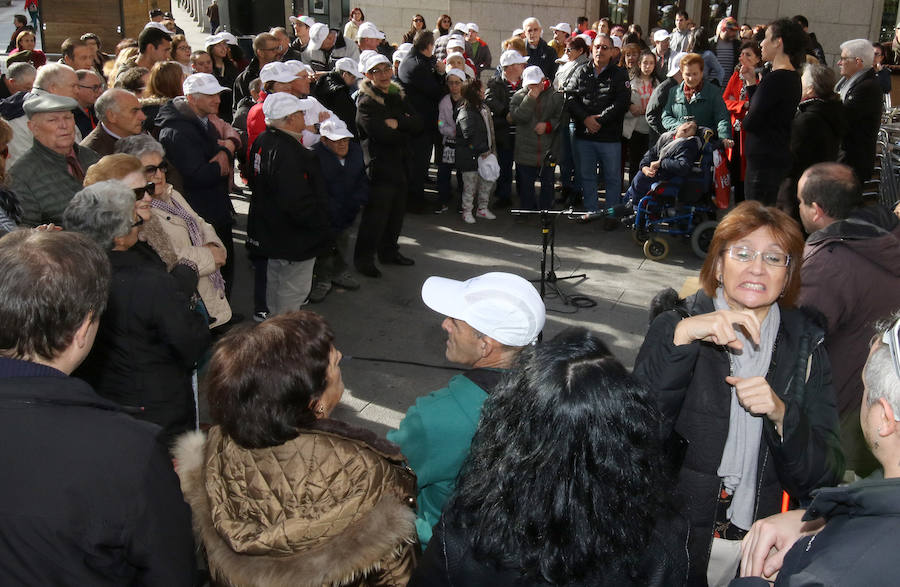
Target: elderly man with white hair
{"x": 289, "y": 223}
{"x": 202, "y": 156}
{"x": 845, "y": 535}
{"x": 539, "y": 52}
{"x": 863, "y": 102}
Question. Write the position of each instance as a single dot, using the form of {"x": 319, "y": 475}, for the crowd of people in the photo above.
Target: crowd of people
{"x": 546, "y": 461}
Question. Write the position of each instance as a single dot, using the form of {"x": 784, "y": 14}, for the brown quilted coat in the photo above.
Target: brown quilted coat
{"x": 334, "y": 506}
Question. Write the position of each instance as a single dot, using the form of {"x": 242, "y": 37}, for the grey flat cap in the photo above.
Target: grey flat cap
{"x": 44, "y": 102}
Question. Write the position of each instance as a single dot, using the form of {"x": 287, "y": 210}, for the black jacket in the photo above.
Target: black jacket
{"x": 689, "y": 382}
{"x": 544, "y": 56}
{"x": 497, "y": 96}
{"x": 862, "y": 107}
{"x": 334, "y": 94}
{"x": 288, "y": 216}
{"x": 89, "y": 496}
{"x": 449, "y": 561}
{"x": 190, "y": 146}
{"x": 148, "y": 344}
{"x": 387, "y": 150}
{"x": 347, "y": 184}
{"x": 471, "y": 138}
{"x": 816, "y": 133}
{"x": 655, "y": 107}
{"x": 241, "y": 88}
{"x": 226, "y": 78}
{"x": 424, "y": 87}
{"x": 607, "y": 94}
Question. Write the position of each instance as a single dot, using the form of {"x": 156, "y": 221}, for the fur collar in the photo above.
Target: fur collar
{"x": 389, "y": 528}
{"x": 367, "y": 88}
{"x": 154, "y": 101}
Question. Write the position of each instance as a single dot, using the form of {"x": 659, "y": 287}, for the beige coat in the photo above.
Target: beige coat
{"x": 333, "y": 506}
{"x": 177, "y": 231}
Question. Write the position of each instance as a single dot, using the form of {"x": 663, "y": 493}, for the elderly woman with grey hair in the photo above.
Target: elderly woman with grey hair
{"x": 193, "y": 239}
{"x": 149, "y": 338}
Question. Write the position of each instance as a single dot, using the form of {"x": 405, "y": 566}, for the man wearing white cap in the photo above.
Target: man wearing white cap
{"x": 288, "y": 222}
{"x": 662, "y": 52}
{"x": 561, "y": 34}
{"x": 499, "y": 91}
{"x": 344, "y": 172}
{"x": 335, "y": 91}
{"x": 489, "y": 320}
{"x": 386, "y": 122}
{"x": 301, "y": 24}
{"x": 202, "y": 157}
{"x": 477, "y": 50}
{"x": 369, "y": 37}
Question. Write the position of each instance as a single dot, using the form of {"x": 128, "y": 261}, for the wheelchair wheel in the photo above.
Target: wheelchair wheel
{"x": 702, "y": 237}
{"x": 656, "y": 248}
{"x": 639, "y": 236}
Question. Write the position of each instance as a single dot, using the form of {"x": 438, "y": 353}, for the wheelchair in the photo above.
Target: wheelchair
{"x": 679, "y": 207}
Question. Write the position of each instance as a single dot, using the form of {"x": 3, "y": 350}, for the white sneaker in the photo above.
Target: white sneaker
{"x": 486, "y": 214}
{"x": 468, "y": 218}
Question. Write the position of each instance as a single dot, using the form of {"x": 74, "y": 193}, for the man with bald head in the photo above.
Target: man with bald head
{"x": 850, "y": 273}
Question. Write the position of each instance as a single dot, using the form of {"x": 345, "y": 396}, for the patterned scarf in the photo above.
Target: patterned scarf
{"x": 196, "y": 235}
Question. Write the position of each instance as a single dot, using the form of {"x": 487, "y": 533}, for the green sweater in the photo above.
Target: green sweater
{"x": 434, "y": 437}
{"x": 707, "y": 107}
{"x": 43, "y": 184}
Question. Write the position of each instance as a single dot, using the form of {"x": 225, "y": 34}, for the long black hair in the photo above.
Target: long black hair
{"x": 566, "y": 472}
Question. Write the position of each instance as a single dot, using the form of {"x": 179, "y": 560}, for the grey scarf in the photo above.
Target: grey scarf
{"x": 738, "y": 467}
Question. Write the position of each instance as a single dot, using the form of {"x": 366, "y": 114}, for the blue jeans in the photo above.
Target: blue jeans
{"x": 527, "y": 175}
{"x": 568, "y": 165}
{"x": 609, "y": 155}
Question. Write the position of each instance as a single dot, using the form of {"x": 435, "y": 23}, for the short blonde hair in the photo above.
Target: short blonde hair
{"x": 116, "y": 166}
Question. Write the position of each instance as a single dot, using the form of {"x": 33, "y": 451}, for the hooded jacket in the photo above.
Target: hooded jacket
{"x": 333, "y": 506}
{"x": 851, "y": 274}
{"x": 189, "y": 147}
{"x": 689, "y": 383}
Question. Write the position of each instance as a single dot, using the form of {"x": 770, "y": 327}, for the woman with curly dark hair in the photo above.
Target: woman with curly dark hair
{"x": 565, "y": 481}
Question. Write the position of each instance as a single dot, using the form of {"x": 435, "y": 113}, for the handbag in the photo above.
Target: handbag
{"x": 489, "y": 167}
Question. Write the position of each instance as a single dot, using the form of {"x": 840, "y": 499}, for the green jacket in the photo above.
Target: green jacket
{"x": 434, "y": 436}
{"x": 43, "y": 184}
{"x": 531, "y": 148}
{"x": 707, "y": 108}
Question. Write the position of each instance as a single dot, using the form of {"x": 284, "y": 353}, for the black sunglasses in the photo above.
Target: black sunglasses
{"x": 151, "y": 169}
{"x": 147, "y": 189}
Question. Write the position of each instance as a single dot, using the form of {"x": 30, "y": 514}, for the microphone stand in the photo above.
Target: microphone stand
{"x": 548, "y": 237}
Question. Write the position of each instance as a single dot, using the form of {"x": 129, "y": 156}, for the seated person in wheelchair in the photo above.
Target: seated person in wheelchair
{"x": 673, "y": 155}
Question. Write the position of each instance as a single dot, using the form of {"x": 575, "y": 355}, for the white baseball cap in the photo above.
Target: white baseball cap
{"x": 457, "y": 72}
{"x": 617, "y": 42}
{"x": 675, "y": 64}
{"x": 472, "y": 27}
{"x": 511, "y": 57}
{"x": 334, "y": 128}
{"x": 298, "y": 67}
{"x": 456, "y": 43}
{"x": 532, "y": 75}
{"x": 277, "y": 72}
{"x": 564, "y": 27}
{"x": 399, "y": 55}
{"x": 660, "y": 36}
{"x": 518, "y": 32}
{"x": 303, "y": 19}
{"x": 317, "y": 34}
{"x": 368, "y": 30}
{"x": 461, "y": 27}
{"x": 363, "y": 57}
{"x": 376, "y": 59}
{"x": 213, "y": 40}
{"x": 405, "y": 47}
{"x": 231, "y": 39}
{"x": 157, "y": 25}
{"x": 202, "y": 83}
{"x": 281, "y": 105}
{"x": 348, "y": 65}
{"x": 503, "y": 306}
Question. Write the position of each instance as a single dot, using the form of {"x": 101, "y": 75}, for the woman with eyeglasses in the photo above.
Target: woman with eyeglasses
{"x": 149, "y": 339}
{"x": 181, "y": 54}
{"x": 742, "y": 376}
{"x": 443, "y": 26}
{"x": 418, "y": 24}
{"x": 192, "y": 238}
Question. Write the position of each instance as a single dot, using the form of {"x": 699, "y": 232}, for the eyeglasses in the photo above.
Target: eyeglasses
{"x": 148, "y": 189}
{"x": 152, "y": 169}
{"x": 95, "y": 88}
{"x": 744, "y": 254}
{"x": 892, "y": 339}
{"x": 418, "y": 20}
{"x": 381, "y": 70}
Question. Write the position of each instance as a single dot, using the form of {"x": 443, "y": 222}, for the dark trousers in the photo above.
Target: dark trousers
{"x": 637, "y": 148}
{"x": 504, "y": 182}
{"x": 260, "y": 279}
{"x": 445, "y": 191}
{"x": 422, "y": 146}
{"x": 382, "y": 219}
{"x": 527, "y": 175}
{"x": 762, "y": 183}
{"x": 223, "y": 231}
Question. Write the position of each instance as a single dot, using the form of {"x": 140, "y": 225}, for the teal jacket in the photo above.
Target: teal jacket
{"x": 435, "y": 435}
{"x": 707, "y": 108}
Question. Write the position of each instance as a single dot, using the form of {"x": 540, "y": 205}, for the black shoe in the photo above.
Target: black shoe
{"x": 396, "y": 259}
{"x": 368, "y": 269}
